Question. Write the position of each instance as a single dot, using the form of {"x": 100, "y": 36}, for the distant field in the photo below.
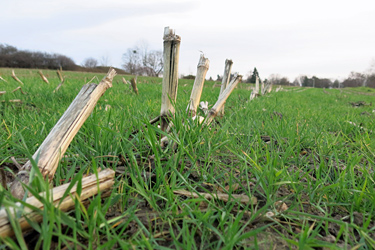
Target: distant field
{"x": 297, "y": 151}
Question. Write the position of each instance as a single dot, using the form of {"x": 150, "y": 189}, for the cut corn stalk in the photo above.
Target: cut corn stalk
{"x": 2, "y": 79}
{"x": 171, "y": 54}
{"x": 58, "y": 72}
{"x": 43, "y": 77}
{"x": 58, "y": 86}
{"x": 16, "y": 78}
{"x": 225, "y": 81}
{"x": 196, "y": 92}
{"x": 222, "y": 98}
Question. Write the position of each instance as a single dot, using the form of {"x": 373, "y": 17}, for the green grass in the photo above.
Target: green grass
{"x": 314, "y": 161}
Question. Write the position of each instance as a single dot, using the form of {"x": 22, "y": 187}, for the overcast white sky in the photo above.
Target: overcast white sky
{"x": 325, "y": 38}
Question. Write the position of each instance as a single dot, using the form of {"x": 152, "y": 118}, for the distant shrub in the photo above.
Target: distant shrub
{"x": 191, "y": 77}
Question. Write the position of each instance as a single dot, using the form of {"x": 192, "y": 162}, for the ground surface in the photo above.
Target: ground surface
{"x": 289, "y": 170}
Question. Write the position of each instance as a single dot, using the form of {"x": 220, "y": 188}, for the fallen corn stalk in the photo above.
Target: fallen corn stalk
{"x": 13, "y": 101}
{"x": 90, "y": 187}
{"x": 244, "y": 199}
{"x": 20, "y": 89}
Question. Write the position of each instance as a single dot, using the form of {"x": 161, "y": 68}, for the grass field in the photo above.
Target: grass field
{"x": 311, "y": 171}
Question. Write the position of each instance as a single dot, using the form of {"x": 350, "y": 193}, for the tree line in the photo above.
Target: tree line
{"x": 355, "y": 79}
{"x": 11, "y": 57}
{"x": 139, "y": 60}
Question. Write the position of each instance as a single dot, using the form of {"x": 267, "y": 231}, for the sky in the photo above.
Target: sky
{"x": 323, "y": 38}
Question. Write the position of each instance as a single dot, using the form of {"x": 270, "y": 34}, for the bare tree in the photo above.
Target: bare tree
{"x": 90, "y": 63}
{"x": 140, "y": 61}
{"x": 131, "y": 61}
{"x": 371, "y": 68}
{"x": 355, "y": 79}
{"x": 276, "y": 79}
{"x": 105, "y": 60}
{"x": 322, "y": 82}
{"x": 153, "y": 63}
{"x": 370, "y": 75}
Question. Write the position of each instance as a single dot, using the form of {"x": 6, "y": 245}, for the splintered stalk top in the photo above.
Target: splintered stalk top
{"x": 170, "y": 75}
{"x": 196, "y": 93}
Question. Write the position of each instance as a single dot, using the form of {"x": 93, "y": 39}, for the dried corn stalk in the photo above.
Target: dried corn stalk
{"x": 269, "y": 88}
{"x": 15, "y": 101}
{"x": 58, "y": 86}
{"x": 16, "y": 78}
{"x": 257, "y": 86}
{"x": 225, "y": 81}
{"x": 2, "y": 79}
{"x": 253, "y": 95}
{"x": 43, "y": 77}
{"x": 171, "y": 54}
{"x": 222, "y": 99}
{"x": 196, "y": 92}
{"x": 58, "y": 72}
{"x": 242, "y": 198}
{"x": 54, "y": 146}
{"x": 263, "y": 90}
{"x": 133, "y": 82}
{"x": 20, "y": 89}
{"x": 90, "y": 187}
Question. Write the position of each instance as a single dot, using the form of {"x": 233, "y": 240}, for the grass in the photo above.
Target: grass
{"x": 312, "y": 159}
